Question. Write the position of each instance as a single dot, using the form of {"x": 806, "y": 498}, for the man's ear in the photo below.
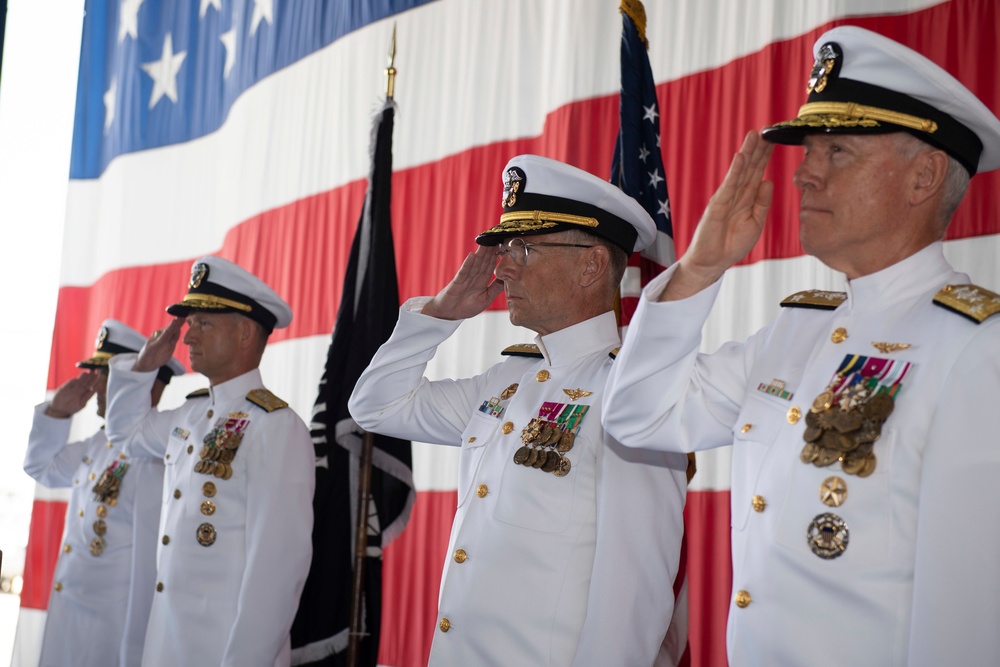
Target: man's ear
{"x": 931, "y": 168}
{"x": 597, "y": 260}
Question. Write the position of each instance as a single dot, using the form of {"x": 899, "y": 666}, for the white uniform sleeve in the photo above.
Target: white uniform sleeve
{"x": 279, "y": 517}
{"x": 130, "y": 419}
{"x": 49, "y": 460}
{"x": 393, "y": 398}
{"x": 640, "y": 524}
{"x": 662, "y": 394}
{"x": 956, "y": 608}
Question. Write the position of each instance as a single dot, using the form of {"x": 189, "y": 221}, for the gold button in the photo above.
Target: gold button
{"x": 472, "y": 439}
{"x": 208, "y": 508}
{"x": 839, "y": 335}
{"x": 159, "y": 587}
{"x": 482, "y": 490}
{"x": 794, "y": 415}
{"x": 110, "y": 445}
{"x": 833, "y": 491}
{"x": 76, "y": 481}
{"x": 93, "y": 476}
{"x": 208, "y": 489}
{"x": 58, "y": 587}
{"x": 67, "y": 548}
{"x": 542, "y": 375}
{"x": 190, "y": 448}
{"x": 758, "y": 503}
{"x": 460, "y": 556}
{"x": 81, "y": 513}
{"x": 746, "y": 428}
{"x": 122, "y": 455}
{"x": 166, "y": 539}
{"x": 445, "y": 625}
{"x": 177, "y": 493}
{"x": 167, "y": 456}
{"x": 742, "y": 599}
{"x": 209, "y": 414}
{"x": 507, "y": 427}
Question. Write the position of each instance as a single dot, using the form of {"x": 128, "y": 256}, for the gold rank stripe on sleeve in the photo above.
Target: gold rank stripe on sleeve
{"x": 265, "y": 399}
{"x": 815, "y": 298}
{"x": 198, "y": 393}
{"x": 971, "y": 301}
{"x": 522, "y": 350}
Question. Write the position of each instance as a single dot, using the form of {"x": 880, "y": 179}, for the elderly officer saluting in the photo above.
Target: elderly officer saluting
{"x": 864, "y": 453}
{"x": 235, "y": 532}
{"x": 105, "y": 573}
{"x": 563, "y": 544}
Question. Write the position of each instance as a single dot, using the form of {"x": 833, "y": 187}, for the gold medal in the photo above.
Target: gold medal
{"x": 521, "y": 455}
{"x": 208, "y": 508}
{"x": 823, "y": 401}
{"x": 551, "y": 461}
{"x": 532, "y": 457}
{"x": 100, "y": 527}
{"x": 563, "y": 468}
{"x": 208, "y": 489}
{"x": 565, "y": 442}
{"x": 97, "y": 546}
{"x": 540, "y": 460}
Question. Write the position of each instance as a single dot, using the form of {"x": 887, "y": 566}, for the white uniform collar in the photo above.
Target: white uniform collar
{"x": 236, "y": 388}
{"x": 580, "y": 340}
{"x": 920, "y": 273}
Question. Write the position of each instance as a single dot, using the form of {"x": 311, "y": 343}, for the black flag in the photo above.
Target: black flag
{"x": 368, "y": 311}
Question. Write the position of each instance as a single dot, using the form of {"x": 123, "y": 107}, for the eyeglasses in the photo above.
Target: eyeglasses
{"x": 518, "y": 249}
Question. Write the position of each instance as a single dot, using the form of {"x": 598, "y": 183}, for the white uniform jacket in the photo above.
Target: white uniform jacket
{"x": 233, "y": 553}
{"x": 916, "y": 582}
{"x": 103, "y": 581}
{"x": 540, "y": 568}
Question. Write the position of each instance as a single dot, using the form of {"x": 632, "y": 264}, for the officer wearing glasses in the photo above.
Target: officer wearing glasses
{"x": 565, "y": 544}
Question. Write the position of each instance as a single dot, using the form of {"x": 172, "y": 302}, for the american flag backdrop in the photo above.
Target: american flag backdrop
{"x": 241, "y": 128}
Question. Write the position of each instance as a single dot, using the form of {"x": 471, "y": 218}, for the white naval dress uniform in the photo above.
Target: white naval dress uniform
{"x": 233, "y": 554}
{"x": 100, "y": 600}
{"x": 540, "y": 568}
{"x": 917, "y": 582}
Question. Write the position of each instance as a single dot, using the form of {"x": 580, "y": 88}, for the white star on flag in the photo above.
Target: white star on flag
{"x": 228, "y": 40}
{"x": 262, "y": 9}
{"x": 664, "y": 209}
{"x": 654, "y": 177}
{"x": 643, "y": 153}
{"x": 164, "y": 72}
{"x": 204, "y": 7}
{"x": 109, "y": 105}
{"x": 651, "y": 114}
{"x": 128, "y": 19}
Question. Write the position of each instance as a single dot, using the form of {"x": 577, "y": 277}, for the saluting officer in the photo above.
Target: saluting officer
{"x": 864, "y": 453}
{"x": 103, "y": 581}
{"x": 235, "y": 532}
{"x": 564, "y": 546}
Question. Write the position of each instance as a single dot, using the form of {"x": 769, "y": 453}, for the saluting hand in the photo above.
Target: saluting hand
{"x": 159, "y": 347}
{"x": 73, "y": 395}
{"x": 731, "y": 224}
{"x": 472, "y": 289}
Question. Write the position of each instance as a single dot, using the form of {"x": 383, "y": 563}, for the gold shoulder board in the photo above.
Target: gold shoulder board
{"x": 815, "y": 298}
{"x": 972, "y": 301}
{"x": 614, "y": 353}
{"x": 522, "y": 350}
{"x": 266, "y": 400}
{"x": 198, "y": 393}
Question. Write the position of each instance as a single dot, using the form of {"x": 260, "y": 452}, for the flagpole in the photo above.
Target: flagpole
{"x": 357, "y": 634}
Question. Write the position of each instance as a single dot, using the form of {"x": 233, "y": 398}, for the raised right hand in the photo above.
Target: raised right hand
{"x": 472, "y": 289}
{"x": 73, "y": 395}
{"x": 159, "y": 347}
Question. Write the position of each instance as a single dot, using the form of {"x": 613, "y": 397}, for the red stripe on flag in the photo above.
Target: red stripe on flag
{"x": 44, "y": 537}
{"x": 710, "y": 575}
{"x": 411, "y": 579}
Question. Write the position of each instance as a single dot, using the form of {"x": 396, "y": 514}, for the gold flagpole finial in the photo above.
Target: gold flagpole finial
{"x": 390, "y": 71}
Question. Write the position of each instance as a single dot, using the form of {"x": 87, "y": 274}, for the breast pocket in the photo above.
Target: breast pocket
{"x": 757, "y": 427}
{"x": 479, "y": 431}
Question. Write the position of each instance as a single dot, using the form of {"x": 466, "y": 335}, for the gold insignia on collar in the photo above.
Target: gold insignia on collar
{"x": 886, "y": 348}
{"x": 576, "y": 393}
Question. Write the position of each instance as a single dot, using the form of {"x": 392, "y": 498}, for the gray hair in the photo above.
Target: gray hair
{"x": 618, "y": 257}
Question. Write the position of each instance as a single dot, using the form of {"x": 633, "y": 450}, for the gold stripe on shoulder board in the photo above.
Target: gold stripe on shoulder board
{"x": 814, "y": 298}
{"x": 265, "y": 399}
{"x": 522, "y": 350}
{"x": 198, "y": 393}
{"x": 971, "y": 301}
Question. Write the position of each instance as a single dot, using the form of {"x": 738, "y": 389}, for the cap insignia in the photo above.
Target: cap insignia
{"x": 198, "y": 274}
{"x": 513, "y": 179}
{"x": 102, "y": 336}
{"x": 822, "y": 68}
